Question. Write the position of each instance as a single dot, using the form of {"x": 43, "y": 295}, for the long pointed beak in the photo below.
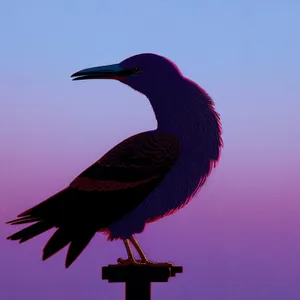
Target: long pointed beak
{"x": 104, "y": 72}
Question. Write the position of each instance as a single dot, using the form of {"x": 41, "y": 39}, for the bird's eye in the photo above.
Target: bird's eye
{"x": 137, "y": 70}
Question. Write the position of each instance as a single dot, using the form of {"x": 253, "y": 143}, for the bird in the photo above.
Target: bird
{"x": 142, "y": 179}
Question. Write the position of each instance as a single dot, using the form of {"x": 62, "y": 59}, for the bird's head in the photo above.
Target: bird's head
{"x": 142, "y": 72}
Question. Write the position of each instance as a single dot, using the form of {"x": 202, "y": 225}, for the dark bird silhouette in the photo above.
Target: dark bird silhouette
{"x": 144, "y": 178}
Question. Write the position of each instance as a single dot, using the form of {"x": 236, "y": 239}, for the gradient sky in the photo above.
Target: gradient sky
{"x": 239, "y": 238}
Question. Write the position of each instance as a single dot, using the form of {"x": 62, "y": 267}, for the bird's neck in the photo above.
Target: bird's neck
{"x": 184, "y": 110}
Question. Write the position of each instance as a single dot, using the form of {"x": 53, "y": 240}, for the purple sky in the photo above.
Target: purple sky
{"x": 239, "y": 238}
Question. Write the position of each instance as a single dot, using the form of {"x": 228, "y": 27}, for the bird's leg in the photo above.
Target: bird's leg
{"x": 138, "y": 249}
{"x": 130, "y": 259}
{"x": 144, "y": 260}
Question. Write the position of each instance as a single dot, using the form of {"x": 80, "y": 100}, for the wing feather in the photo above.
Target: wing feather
{"x": 135, "y": 162}
{"x": 102, "y": 194}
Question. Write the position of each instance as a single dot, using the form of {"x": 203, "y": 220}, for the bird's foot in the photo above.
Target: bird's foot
{"x": 128, "y": 261}
{"x": 157, "y": 264}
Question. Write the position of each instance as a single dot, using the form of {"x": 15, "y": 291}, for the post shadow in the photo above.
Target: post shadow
{"x": 138, "y": 279}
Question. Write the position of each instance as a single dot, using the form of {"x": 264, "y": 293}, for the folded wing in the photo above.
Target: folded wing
{"x": 102, "y": 194}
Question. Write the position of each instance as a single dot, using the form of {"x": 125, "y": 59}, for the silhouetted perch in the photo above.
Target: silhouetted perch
{"x": 138, "y": 279}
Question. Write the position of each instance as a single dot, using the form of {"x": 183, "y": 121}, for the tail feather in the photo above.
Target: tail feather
{"x": 63, "y": 211}
{"x": 25, "y": 213}
{"x": 31, "y": 231}
{"x": 46, "y": 205}
{"x": 23, "y": 220}
{"x": 61, "y": 238}
{"x": 77, "y": 245}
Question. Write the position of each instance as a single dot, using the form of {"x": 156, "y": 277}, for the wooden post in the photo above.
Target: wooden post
{"x": 138, "y": 279}
{"x": 138, "y": 290}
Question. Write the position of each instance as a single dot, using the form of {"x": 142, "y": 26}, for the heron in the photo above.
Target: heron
{"x": 147, "y": 176}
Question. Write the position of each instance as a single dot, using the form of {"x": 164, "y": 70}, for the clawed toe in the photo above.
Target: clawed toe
{"x": 128, "y": 261}
{"x": 158, "y": 264}
{"x": 122, "y": 261}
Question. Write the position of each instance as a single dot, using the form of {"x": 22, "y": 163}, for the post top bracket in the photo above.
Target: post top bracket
{"x": 120, "y": 273}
